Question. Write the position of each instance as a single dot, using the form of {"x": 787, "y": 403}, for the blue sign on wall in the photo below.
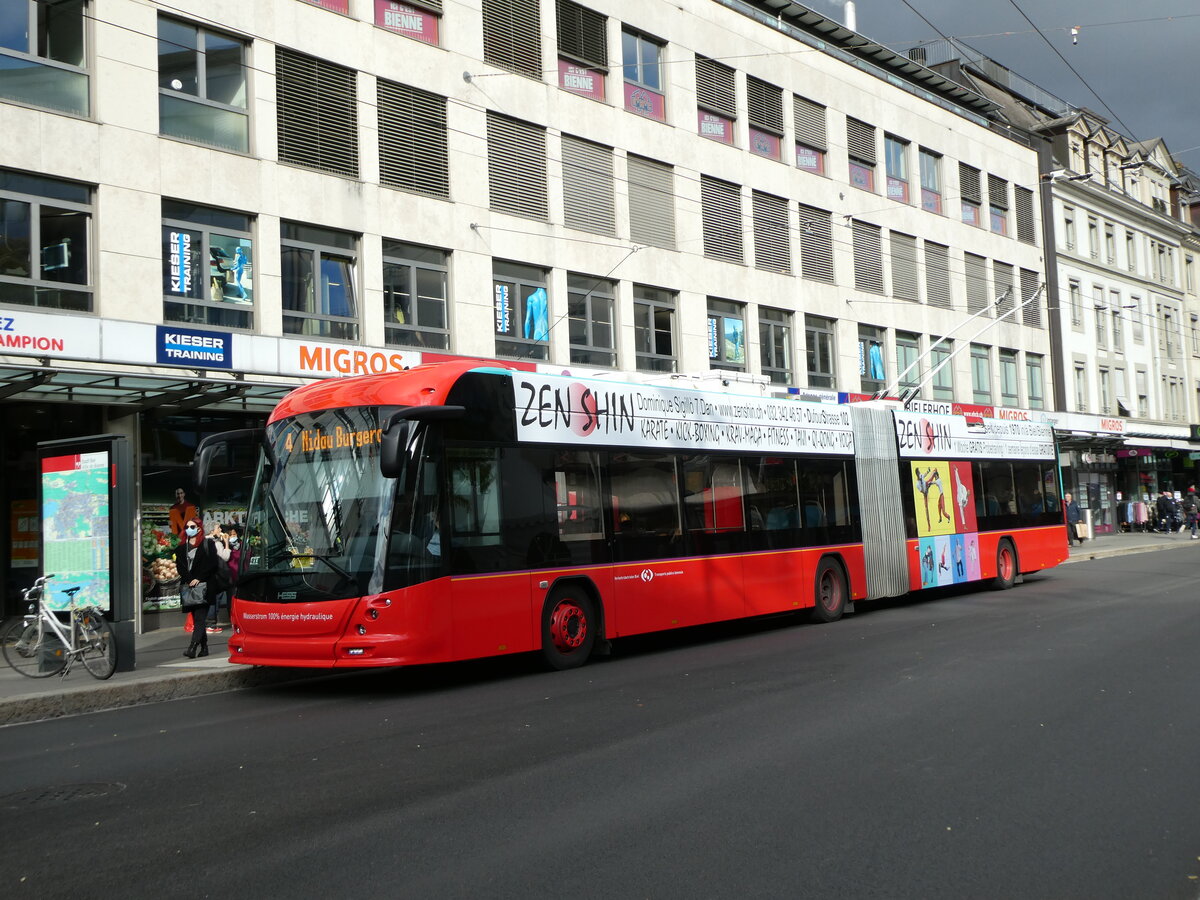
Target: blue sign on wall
{"x": 197, "y": 349}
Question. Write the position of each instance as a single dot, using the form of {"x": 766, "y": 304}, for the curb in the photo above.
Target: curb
{"x": 155, "y": 689}
{"x": 1087, "y": 555}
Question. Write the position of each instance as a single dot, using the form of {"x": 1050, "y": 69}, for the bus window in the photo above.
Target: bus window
{"x": 474, "y": 496}
{"x": 1028, "y": 478}
{"x": 645, "y": 505}
{"x": 712, "y": 494}
{"x": 775, "y": 495}
{"x": 577, "y": 495}
{"x": 998, "y": 494}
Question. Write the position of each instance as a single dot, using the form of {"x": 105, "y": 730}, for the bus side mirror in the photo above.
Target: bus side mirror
{"x": 208, "y": 449}
{"x": 395, "y": 433}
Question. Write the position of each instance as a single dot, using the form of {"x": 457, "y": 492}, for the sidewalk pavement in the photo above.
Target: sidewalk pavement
{"x": 163, "y": 673}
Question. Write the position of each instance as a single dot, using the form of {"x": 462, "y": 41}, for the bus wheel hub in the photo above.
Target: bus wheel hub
{"x": 568, "y": 626}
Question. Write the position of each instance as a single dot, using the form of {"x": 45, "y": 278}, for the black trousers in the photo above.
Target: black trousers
{"x": 199, "y": 635}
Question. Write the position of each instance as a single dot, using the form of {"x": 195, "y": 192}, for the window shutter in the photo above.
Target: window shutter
{"x": 651, "y": 202}
{"x": 772, "y": 243}
{"x": 1026, "y": 227}
{"x": 976, "y": 277}
{"x": 413, "y": 151}
{"x": 588, "y": 186}
{"x": 512, "y": 36}
{"x": 516, "y": 167}
{"x": 868, "y": 257}
{"x": 715, "y": 87}
{"x": 1032, "y": 313}
{"x": 1002, "y": 275}
{"x": 721, "y": 215}
{"x": 810, "y": 123}
{"x": 816, "y": 244}
{"x": 968, "y": 183}
{"x": 582, "y": 33}
{"x": 860, "y": 138}
{"x": 997, "y": 192}
{"x": 318, "y": 114}
{"x": 905, "y": 285}
{"x": 937, "y": 275}
{"x": 764, "y": 105}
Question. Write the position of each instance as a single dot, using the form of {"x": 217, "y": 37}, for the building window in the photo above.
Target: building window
{"x": 937, "y": 275}
{"x": 1143, "y": 394}
{"x": 981, "y": 373}
{"x": 45, "y": 235}
{"x": 1139, "y": 335}
{"x": 1035, "y": 380}
{"x": 1026, "y": 223}
{"x": 764, "y": 112}
{"x": 1110, "y": 244}
{"x": 521, "y": 309}
{"x": 860, "y": 138}
{"x": 998, "y": 204}
{"x": 1101, "y": 316}
{"x": 43, "y": 54}
{"x": 721, "y": 219}
{"x": 1075, "y": 299}
{"x": 1068, "y": 228}
{"x": 1105, "y": 382}
{"x": 895, "y": 153}
{"x": 905, "y": 281}
{"x": 1010, "y": 392}
{"x": 816, "y": 244}
{"x": 931, "y": 181}
{"x": 318, "y": 113}
{"x": 641, "y": 60}
{"x": 1005, "y": 286}
{"x": 415, "y": 294}
{"x": 590, "y": 321}
{"x": 1195, "y": 320}
{"x": 651, "y": 202}
{"x": 208, "y": 266}
{"x": 1030, "y": 307}
{"x": 775, "y": 344}
{"x": 202, "y": 86}
{"x": 868, "y": 257}
{"x": 971, "y": 193}
{"x": 811, "y": 140}
{"x": 582, "y": 49}
{"x": 587, "y": 172}
{"x": 872, "y": 369}
{"x": 1130, "y": 251}
{"x": 1093, "y": 238}
{"x": 414, "y": 152}
{"x": 772, "y": 240}
{"x": 975, "y": 270}
{"x": 516, "y": 153}
{"x": 941, "y": 369}
{"x": 1080, "y": 388}
{"x": 512, "y": 36}
{"x": 318, "y": 281}
{"x": 716, "y": 97}
{"x": 820, "y": 354}
{"x": 726, "y": 335}
{"x": 1118, "y": 326}
{"x": 654, "y": 329}
{"x": 908, "y": 352}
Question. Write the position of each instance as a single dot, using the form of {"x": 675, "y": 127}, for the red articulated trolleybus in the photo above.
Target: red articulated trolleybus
{"x": 461, "y": 510}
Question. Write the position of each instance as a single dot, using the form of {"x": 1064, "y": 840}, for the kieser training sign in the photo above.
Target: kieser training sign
{"x": 927, "y": 435}
{"x": 578, "y": 412}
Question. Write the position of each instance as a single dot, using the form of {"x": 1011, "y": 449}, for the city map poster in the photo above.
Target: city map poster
{"x": 76, "y": 506}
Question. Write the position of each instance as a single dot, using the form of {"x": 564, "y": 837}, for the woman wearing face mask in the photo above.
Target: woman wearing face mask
{"x": 229, "y": 551}
{"x": 196, "y": 560}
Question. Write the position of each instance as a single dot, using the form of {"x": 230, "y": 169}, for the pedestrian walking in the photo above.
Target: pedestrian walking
{"x": 196, "y": 559}
{"x": 1074, "y": 519}
{"x": 1191, "y": 510}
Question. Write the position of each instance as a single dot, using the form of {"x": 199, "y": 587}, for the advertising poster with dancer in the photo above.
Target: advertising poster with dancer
{"x": 933, "y": 498}
{"x": 963, "y": 492}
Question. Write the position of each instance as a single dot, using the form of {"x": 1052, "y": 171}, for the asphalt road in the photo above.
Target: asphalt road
{"x": 1038, "y": 743}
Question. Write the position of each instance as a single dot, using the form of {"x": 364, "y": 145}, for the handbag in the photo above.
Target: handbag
{"x": 192, "y": 596}
{"x": 1080, "y": 530}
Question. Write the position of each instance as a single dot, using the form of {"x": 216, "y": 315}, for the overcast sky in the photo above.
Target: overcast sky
{"x": 1146, "y": 69}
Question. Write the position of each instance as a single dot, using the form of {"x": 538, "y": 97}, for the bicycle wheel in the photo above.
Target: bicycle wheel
{"x": 97, "y": 644}
{"x": 32, "y": 649}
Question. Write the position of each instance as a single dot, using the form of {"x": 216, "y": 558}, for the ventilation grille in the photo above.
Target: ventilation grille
{"x": 318, "y": 115}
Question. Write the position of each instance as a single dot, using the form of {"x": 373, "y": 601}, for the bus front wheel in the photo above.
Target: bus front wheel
{"x": 830, "y": 592}
{"x": 1006, "y": 566}
{"x": 568, "y": 628}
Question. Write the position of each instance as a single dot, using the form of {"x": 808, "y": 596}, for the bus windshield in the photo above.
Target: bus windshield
{"x": 319, "y": 511}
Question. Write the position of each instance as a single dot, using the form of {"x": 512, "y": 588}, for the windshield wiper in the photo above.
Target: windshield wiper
{"x": 287, "y": 554}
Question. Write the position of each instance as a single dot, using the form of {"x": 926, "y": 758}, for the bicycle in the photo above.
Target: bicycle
{"x": 40, "y": 644}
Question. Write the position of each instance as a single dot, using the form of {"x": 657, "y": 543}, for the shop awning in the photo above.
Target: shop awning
{"x": 132, "y": 391}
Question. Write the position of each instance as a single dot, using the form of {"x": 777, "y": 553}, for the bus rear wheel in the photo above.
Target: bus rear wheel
{"x": 830, "y": 592}
{"x": 1006, "y": 566}
{"x": 568, "y": 628}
